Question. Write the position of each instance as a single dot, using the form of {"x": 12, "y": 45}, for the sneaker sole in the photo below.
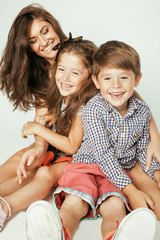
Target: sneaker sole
{"x": 141, "y": 224}
{"x": 43, "y": 222}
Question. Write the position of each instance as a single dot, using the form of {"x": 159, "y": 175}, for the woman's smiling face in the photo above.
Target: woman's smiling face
{"x": 42, "y": 38}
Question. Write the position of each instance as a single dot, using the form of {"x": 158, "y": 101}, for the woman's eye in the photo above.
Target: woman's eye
{"x": 32, "y": 41}
{"x": 60, "y": 69}
{"x": 45, "y": 31}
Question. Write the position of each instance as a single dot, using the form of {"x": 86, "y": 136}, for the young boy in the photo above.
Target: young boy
{"x": 116, "y": 135}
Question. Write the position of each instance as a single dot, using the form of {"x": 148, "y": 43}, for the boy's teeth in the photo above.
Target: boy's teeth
{"x": 116, "y": 94}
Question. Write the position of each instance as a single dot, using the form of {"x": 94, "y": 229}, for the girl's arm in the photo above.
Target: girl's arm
{"x": 153, "y": 149}
{"x": 69, "y": 144}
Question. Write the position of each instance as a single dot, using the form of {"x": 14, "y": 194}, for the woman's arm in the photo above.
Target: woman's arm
{"x": 35, "y": 155}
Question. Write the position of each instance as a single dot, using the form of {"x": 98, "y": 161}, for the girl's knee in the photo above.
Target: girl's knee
{"x": 44, "y": 172}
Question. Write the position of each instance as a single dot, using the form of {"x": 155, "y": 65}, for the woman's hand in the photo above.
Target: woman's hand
{"x": 46, "y": 120}
{"x": 30, "y": 128}
{"x": 29, "y": 161}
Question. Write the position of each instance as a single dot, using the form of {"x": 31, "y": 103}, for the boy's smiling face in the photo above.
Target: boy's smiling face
{"x": 117, "y": 86}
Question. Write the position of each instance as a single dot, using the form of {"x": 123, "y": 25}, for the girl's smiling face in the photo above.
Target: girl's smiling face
{"x": 71, "y": 74}
{"x": 42, "y": 38}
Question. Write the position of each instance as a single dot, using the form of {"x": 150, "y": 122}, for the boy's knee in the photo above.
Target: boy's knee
{"x": 112, "y": 203}
{"x": 77, "y": 204}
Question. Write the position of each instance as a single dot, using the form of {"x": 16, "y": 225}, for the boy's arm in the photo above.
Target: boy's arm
{"x": 153, "y": 149}
{"x": 141, "y": 150}
{"x": 157, "y": 177}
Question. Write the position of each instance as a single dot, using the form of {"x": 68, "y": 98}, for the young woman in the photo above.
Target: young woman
{"x": 26, "y": 71}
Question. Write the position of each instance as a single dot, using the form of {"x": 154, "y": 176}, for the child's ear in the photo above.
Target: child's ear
{"x": 138, "y": 79}
{"x": 95, "y": 80}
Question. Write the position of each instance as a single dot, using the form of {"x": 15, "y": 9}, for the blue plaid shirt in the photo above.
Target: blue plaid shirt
{"x": 115, "y": 142}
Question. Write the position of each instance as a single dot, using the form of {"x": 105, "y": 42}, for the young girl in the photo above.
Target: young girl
{"x": 73, "y": 87}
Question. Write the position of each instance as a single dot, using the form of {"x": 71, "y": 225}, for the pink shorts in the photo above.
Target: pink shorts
{"x": 89, "y": 183}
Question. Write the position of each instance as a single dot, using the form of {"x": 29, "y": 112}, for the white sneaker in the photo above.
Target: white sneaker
{"x": 140, "y": 224}
{"x": 43, "y": 222}
{"x": 3, "y": 216}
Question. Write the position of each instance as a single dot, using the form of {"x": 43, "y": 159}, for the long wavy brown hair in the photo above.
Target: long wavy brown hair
{"x": 84, "y": 50}
{"x": 23, "y": 74}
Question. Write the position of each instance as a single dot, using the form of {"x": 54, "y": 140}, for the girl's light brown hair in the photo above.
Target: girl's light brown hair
{"x": 84, "y": 50}
{"x": 24, "y": 74}
{"x": 116, "y": 54}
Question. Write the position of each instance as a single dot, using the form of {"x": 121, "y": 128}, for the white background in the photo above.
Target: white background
{"x": 135, "y": 22}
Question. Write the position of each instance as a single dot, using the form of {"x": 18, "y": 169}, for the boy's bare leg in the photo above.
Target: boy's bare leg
{"x": 112, "y": 210}
{"x": 71, "y": 212}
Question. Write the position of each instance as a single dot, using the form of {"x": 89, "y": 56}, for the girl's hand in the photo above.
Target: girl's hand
{"x": 29, "y": 129}
{"x": 29, "y": 161}
{"x": 153, "y": 150}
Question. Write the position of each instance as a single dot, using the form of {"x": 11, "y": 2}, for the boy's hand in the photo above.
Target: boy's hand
{"x": 157, "y": 177}
{"x": 137, "y": 198}
{"x": 140, "y": 199}
{"x": 153, "y": 150}
{"x": 29, "y": 161}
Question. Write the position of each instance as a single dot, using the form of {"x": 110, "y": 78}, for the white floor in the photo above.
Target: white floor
{"x": 15, "y": 227}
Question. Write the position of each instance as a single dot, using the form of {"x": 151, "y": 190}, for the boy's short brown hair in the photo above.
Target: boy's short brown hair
{"x": 116, "y": 54}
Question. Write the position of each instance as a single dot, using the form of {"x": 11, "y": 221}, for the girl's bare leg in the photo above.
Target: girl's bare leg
{"x": 8, "y": 169}
{"x": 112, "y": 210}
{"x": 145, "y": 184}
{"x": 45, "y": 178}
{"x": 71, "y": 212}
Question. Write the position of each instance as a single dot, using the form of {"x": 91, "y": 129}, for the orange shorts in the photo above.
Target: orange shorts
{"x": 49, "y": 158}
{"x": 89, "y": 183}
